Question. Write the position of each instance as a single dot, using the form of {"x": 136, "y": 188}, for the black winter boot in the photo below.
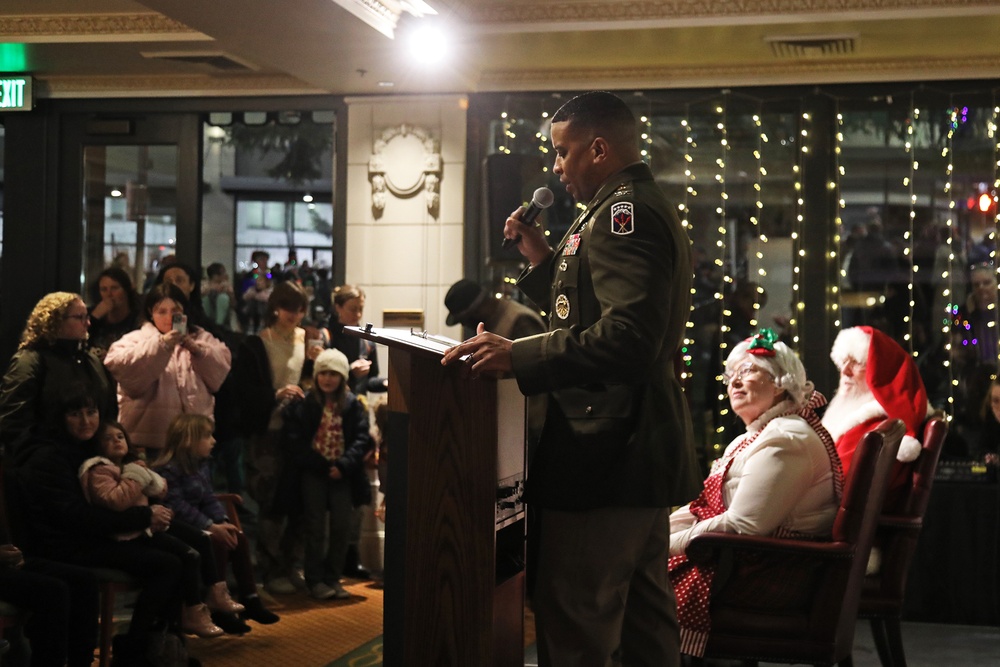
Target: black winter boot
{"x": 256, "y": 611}
{"x": 230, "y": 623}
{"x": 352, "y": 565}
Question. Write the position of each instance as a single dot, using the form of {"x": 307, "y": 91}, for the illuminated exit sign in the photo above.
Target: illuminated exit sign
{"x": 15, "y": 93}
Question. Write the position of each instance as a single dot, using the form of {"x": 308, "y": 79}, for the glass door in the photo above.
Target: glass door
{"x": 131, "y": 196}
{"x": 129, "y": 209}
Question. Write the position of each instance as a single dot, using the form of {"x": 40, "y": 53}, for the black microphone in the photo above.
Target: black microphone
{"x": 541, "y": 199}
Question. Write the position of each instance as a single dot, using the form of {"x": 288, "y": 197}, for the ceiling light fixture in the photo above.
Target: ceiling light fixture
{"x": 384, "y": 14}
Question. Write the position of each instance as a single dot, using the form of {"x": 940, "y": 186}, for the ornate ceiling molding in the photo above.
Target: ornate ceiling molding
{"x": 94, "y": 27}
{"x": 525, "y": 12}
{"x": 806, "y": 72}
{"x": 171, "y": 86}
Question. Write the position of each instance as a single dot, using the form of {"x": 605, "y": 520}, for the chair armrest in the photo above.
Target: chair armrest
{"x": 901, "y": 521}
{"x": 231, "y": 501}
{"x": 706, "y": 546}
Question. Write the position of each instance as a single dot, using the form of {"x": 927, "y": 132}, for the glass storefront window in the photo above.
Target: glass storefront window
{"x": 269, "y": 187}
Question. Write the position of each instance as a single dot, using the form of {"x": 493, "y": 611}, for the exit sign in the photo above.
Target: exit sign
{"x": 16, "y": 93}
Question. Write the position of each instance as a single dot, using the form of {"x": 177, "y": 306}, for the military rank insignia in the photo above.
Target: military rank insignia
{"x": 562, "y": 306}
{"x": 623, "y": 190}
{"x": 622, "y": 220}
{"x": 572, "y": 245}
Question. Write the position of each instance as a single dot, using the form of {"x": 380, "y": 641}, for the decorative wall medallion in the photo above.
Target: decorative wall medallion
{"x": 405, "y": 160}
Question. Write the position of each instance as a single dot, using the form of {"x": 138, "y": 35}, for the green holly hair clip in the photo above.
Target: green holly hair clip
{"x": 762, "y": 343}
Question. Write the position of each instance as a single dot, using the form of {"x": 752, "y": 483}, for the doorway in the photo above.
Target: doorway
{"x": 130, "y": 197}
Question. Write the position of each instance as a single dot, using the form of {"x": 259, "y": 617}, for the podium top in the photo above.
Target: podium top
{"x": 414, "y": 339}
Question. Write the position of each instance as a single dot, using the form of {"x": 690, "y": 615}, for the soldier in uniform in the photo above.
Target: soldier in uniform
{"x": 617, "y": 449}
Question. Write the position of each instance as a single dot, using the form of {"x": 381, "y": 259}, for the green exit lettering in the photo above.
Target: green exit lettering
{"x": 12, "y": 93}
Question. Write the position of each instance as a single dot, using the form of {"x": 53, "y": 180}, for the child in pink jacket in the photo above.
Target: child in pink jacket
{"x": 116, "y": 479}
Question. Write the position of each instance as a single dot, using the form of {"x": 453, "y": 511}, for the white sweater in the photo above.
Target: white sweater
{"x": 783, "y": 479}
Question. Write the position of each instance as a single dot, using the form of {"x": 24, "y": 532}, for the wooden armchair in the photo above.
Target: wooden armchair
{"x": 796, "y": 601}
{"x": 896, "y": 536}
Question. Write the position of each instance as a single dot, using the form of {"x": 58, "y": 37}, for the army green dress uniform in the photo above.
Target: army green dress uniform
{"x": 617, "y": 447}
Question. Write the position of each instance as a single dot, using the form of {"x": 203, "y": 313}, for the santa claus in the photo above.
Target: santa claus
{"x": 878, "y": 380}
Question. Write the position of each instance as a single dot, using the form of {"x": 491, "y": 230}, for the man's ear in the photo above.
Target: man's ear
{"x": 600, "y": 148}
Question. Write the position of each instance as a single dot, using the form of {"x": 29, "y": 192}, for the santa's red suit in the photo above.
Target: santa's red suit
{"x": 896, "y": 391}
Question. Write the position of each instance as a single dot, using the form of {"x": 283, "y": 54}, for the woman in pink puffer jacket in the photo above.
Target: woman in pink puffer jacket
{"x": 165, "y": 370}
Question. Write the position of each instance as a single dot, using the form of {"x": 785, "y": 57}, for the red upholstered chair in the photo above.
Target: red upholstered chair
{"x": 896, "y": 536}
{"x": 796, "y": 601}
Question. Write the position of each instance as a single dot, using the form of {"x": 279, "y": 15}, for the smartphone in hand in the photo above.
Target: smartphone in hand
{"x": 180, "y": 323}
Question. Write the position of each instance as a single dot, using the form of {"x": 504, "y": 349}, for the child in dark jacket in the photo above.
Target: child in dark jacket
{"x": 116, "y": 479}
{"x": 326, "y": 439}
{"x": 201, "y": 521}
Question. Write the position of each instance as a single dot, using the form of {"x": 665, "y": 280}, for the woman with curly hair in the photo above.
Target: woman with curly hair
{"x": 53, "y": 352}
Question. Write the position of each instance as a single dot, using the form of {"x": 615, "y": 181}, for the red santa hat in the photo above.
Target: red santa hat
{"x": 892, "y": 378}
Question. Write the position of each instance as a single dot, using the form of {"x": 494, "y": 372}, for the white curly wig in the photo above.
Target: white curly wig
{"x": 788, "y": 371}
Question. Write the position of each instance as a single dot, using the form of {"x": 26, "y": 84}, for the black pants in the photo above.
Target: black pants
{"x": 215, "y": 557}
{"x": 158, "y": 572}
{"x": 63, "y": 603}
{"x": 192, "y": 562}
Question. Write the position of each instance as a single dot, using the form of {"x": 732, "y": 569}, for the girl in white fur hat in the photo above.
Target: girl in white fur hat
{"x": 326, "y": 438}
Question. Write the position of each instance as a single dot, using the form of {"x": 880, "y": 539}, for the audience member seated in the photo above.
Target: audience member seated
{"x": 200, "y": 520}
{"x": 878, "y": 381}
{"x": 115, "y": 478}
{"x": 164, "y": 370}
{"x": 117, "y": 311}
{"x": 61, "y": 602}
{"x": 781, "y": 478}
{"x": 52, "y": 354}
{"x": 989, "y": 434}
{"x": 469, "y": 304}
{"x": 60, "y": 525}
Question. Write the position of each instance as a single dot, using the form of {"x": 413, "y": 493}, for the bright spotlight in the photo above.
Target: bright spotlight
{"x": 428, "y": 44}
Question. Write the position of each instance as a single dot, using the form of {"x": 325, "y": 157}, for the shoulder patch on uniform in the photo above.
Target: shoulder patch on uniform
{"x": 622, "y": 219}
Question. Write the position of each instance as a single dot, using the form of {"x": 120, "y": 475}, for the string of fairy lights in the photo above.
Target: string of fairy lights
{"x": 948, "y": 276}
{"x": 760, "y": 238}
{"x": 993, "y": 135}
{"x": 707, "y": 177}
{"x": 798, "y": 248}
{"x": 910, "y": 183}
{"x": 721, "y": 243}
{"x": 838, "y": 220}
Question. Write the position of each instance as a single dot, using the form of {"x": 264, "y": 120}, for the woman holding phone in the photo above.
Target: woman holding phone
{"x": 165, "y": 368}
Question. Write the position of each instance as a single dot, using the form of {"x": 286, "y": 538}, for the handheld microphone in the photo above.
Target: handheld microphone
{"x": 541, "y": 199}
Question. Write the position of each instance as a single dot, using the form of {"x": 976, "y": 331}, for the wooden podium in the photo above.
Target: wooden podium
{"x": 455, "y": 525}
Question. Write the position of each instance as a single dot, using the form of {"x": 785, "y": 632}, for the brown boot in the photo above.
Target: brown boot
{"x": 218, "y": 599}
{"x": 196, "y": 620}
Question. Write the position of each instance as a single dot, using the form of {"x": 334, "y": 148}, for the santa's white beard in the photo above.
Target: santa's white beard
{"x": 844, "y": 409}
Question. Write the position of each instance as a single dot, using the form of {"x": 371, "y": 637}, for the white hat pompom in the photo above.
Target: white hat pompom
{"x": 909, "y": 449}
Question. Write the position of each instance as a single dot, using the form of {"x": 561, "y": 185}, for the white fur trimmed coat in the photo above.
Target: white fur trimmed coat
{"x": 105, "y": 485}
